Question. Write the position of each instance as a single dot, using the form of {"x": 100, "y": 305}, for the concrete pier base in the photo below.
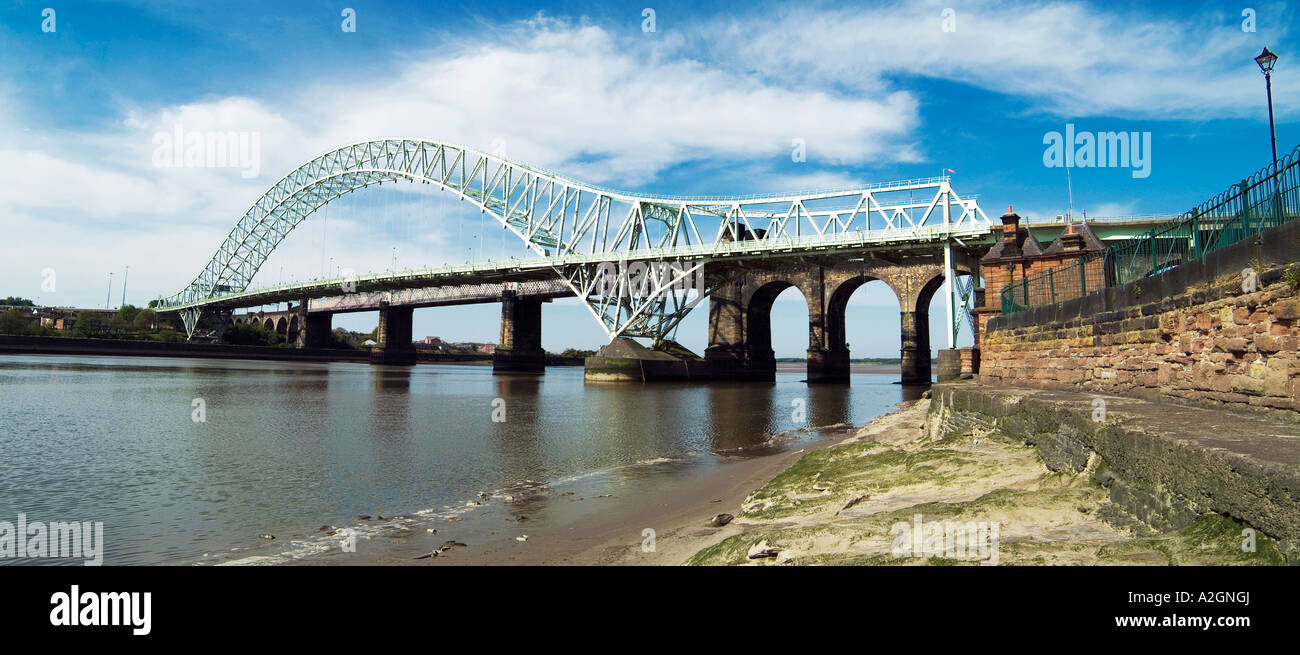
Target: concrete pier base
{"x": 315, "y": 330}
{"x": 829, "y": 366}
{"x": 949, "y": 365}
{"x": 394, "y": 344}
{"x": 728, "y": 362}
{"x": 520, "y": 350}
{"x": 625, "y": 360}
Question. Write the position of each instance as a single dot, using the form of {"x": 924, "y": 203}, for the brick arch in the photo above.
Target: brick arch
{"x": 269, "y": 324}
{"x": 758, "y": 321}
{"x": 281, "y": 326}
{"x": 837, "y": 304}
{"x": 292, "y": 333}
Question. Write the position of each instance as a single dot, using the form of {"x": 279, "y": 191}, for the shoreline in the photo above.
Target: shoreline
{"x": 836, "y": 499}
{"x": 599, "y": 519}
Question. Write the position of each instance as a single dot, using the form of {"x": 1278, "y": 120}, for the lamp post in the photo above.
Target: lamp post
{"x": 1266, "y": 60}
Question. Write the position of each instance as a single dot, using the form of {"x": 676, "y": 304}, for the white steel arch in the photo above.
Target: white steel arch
{"x": 579, "y": 226}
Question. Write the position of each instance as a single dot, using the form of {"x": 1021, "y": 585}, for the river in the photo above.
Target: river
{"x": 188, "y": 461}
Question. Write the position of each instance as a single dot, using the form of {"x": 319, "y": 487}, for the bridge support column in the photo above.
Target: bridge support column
{"x": 314, "y": 330}
{"x": 830, "y": 365}
{"x": 727, "y": 353}
{"x": 828, "y": 362}
{"x": 949, "y": 365}
{"x": 915, "y": 353}
{"x": 520, "y": 350}
{"x": 394, "y": 344}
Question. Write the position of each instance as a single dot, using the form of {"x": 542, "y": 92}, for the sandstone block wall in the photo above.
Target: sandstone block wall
{"x": 1192, "y": 334}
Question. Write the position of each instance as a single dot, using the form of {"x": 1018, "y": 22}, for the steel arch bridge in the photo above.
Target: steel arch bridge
{"x": 577, "y": 230}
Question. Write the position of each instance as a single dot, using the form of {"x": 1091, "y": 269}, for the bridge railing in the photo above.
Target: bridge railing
{"x": 1266, "y": 199}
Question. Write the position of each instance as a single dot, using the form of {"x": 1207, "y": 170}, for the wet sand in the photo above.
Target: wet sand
{"x": 598, "y": 521}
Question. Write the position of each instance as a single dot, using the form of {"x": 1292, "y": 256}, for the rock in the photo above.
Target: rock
{"x": 379, "y": 517}
{"x": 268, "y": 537}
{"x": 766, "y": 553}
{"x": 325, "y": 528}
{"x": 720, "y": 520}
{"x": 473, "y": 503}
{"x": 818, "y": 487}
{"x": 567, "y": 493}
{"x": 521, "y": 519}
{"x": 522, "y": 538}
{"x": 853, "y": 502}
{"x": 363, "y": 517}
{"x": 452, "y": 544}
{"x": 431, "y": 530}
{"x": 432, "y": 553}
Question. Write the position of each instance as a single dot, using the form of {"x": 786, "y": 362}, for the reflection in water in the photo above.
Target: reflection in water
{"x": 287, "y": 447}
{"x": 516, "y": 436}
{"x": 739, "y": 415}
{"x": 828, "y": 404}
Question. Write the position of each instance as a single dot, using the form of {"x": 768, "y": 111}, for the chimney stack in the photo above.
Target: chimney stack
{"x": 1010, "y": 225}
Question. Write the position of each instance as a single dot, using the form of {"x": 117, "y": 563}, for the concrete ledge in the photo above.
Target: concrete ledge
{"x": 625, "y": 360}
{"x": 1164, "y": 464}
{"x": 516, "y": 361}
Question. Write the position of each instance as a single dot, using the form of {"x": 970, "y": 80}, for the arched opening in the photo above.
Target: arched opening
{"x": 860, "y": 324}
{"x": 281, "y": 326}
{"x": 293, "y": 329}
{"x": 934, "y": 322}
{"x": 269, "y": 324}
{"x": 791, "y": 329}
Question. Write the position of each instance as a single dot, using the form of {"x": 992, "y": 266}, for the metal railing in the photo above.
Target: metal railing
{"x": 1266, "y": 199}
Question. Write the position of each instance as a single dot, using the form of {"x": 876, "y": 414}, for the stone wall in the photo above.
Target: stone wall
{"x": 1163, "y": 466}
{"x": 1192, "y": 334}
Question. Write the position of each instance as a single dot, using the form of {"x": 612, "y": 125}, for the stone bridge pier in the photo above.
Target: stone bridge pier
{"x": 740, "y": 316}
{"x": 394, "y": 345}
{"x": 520, "y": 350}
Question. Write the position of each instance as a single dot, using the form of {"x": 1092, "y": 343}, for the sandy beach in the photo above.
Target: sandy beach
{"x": 603, "y": 522}
{"x": 838, "y": 498}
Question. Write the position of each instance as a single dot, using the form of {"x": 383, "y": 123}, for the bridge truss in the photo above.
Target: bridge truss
{"x": 579, "y": 231}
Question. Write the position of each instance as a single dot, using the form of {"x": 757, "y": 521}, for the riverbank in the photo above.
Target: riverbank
{"x": 906, "y": 489}
{"x": 29, "y": 345}
{"x": 904, "y": 492}
{"x": 599, "y": 519}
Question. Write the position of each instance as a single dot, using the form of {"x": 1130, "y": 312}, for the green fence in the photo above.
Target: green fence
{"x": 1265, "y": 199}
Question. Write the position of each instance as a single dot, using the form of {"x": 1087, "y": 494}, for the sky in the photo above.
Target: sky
{"x": 681, "y": 98}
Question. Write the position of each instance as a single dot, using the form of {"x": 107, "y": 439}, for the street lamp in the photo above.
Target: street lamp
{"x": 1266, "y": 60}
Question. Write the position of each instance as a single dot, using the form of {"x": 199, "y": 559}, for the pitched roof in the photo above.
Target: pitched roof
{"x": 1090, "y": 241}
{"x": 1025, "y": 246}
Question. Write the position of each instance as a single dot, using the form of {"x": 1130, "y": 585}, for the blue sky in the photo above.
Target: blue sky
{"x": 708, "y": 102}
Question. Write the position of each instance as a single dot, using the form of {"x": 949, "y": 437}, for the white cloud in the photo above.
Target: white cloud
{"x": 1067, "y": 58}
{"x": 578, "y": 99}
